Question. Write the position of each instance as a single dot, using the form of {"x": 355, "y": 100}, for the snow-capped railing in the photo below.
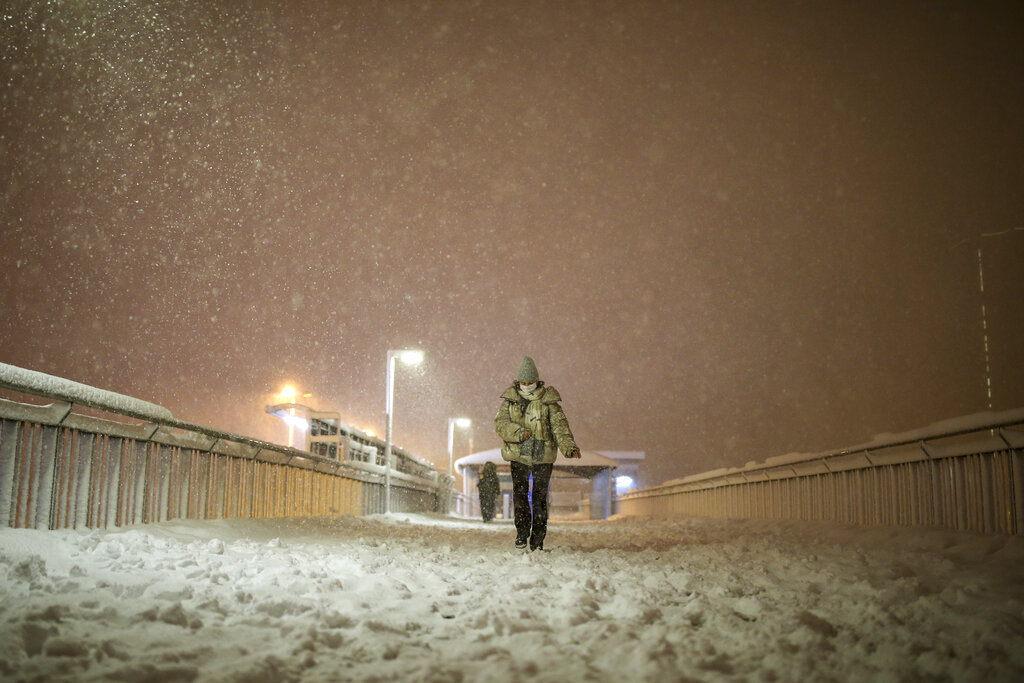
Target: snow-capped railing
{"x": 965, "y": 474}
{"x": 61, "y": 468}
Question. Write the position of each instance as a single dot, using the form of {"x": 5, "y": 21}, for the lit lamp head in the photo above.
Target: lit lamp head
{"x": 410, "y": 357}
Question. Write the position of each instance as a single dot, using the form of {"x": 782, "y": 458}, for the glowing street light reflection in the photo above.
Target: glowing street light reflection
{"x": 296, "y": 422}
{"x": 287, "y": 395}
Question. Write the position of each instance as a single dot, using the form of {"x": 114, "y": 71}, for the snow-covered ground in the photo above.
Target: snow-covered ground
{"x": 412, "y": 597}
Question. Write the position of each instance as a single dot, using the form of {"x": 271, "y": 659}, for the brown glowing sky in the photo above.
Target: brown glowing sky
{"x": 725, "y": 231}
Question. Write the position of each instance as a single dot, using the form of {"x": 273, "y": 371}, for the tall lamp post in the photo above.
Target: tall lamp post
{"x": 984, "y": 313}
{"x": 409, "y": 357}
{"x": 454, "y": 422}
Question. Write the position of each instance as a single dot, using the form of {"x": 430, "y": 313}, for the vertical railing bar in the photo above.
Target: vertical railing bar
{"x": 72, "y": 442}
{"x": 97, "y": 489}
{"x": 56, "y": 488}
{"x": 30, "y": 482}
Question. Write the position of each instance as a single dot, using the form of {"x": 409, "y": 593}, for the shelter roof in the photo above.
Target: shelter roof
{"x": 587, "y": 459}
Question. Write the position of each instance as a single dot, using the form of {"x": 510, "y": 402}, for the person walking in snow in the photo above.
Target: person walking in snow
{"x": 489, "y": 487}
{"x": 533, "y": 428}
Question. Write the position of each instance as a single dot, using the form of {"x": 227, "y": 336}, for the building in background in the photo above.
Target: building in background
{"x": 323, "y": 433}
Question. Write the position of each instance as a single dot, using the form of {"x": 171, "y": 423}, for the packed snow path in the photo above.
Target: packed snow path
{"x": 413, "y": 597}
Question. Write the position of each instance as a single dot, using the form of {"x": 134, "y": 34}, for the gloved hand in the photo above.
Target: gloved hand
{"x": 526, "y": 433}
{"x": 574, "y": 454}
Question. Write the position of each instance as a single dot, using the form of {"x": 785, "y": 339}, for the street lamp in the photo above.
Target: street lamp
{"x": 984, "y": 314}
{"x": 454, "y": 422}
{"x": 408, "y": 357}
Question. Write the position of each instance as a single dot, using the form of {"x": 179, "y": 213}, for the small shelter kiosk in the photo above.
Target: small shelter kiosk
{"x": 591, "y": 466}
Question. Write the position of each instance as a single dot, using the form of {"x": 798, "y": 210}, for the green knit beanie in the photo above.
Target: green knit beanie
{"x": 528, "y": 371}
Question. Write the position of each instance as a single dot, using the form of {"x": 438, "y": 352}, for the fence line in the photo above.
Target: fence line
{"x": 966, "y": 474}
{"x": 61, "y": 469}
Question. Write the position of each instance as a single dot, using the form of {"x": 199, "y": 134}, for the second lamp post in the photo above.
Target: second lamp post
{"x": 409, "y": 357}
{"x": 454, "y": 422}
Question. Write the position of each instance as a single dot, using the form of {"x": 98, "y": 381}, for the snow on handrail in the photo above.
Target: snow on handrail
{"x": 961, "y": 426}
{"x": 71, "y": 392}
{"x": 49, "y": 386}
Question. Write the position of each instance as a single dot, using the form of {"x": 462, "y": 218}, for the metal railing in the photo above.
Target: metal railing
{"x": 60, "y": 468}
{"x": 965, "y": 474}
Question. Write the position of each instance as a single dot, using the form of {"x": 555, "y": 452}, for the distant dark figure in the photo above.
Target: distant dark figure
{"x": 489, "y": 487}
{"x": 533, "y": 428}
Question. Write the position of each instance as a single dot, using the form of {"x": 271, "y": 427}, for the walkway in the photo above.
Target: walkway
{"x": 441, "y": 599}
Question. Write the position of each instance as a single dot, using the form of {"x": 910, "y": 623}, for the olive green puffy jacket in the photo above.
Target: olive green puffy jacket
{"x": 548, "y": 424}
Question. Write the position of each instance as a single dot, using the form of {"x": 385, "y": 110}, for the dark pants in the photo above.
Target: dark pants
{"x": 487, "y": 506}
{"x": 532, "y": 523}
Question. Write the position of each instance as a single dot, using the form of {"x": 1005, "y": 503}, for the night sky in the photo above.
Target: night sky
{"x": 724, "y": 230}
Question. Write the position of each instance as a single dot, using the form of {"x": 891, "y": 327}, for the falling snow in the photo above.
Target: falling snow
{"x": 725, "y": 231}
